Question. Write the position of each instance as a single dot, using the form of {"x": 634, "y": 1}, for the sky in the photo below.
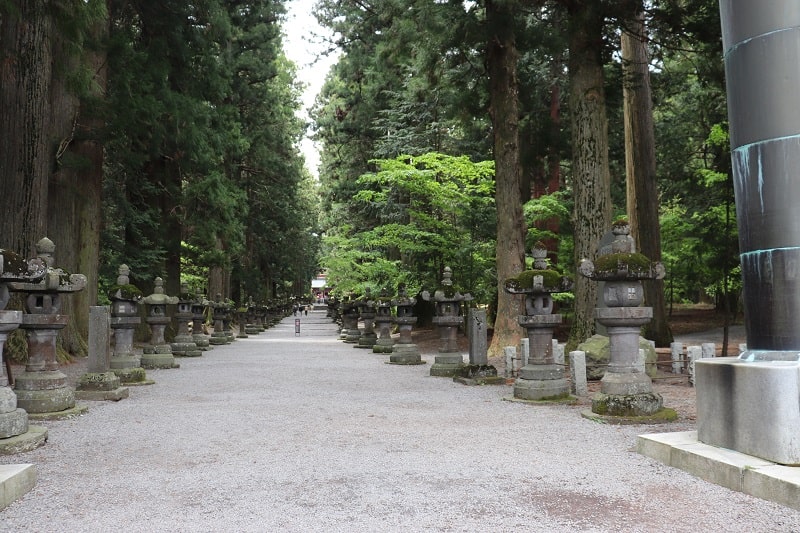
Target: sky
{"x": 305, "y": 50}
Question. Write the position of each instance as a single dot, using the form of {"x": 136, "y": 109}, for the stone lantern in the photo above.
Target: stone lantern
{"x": 16, "y": 435}
{"x": 404, "y": 351}
{"x": 541, "y": 378}
{"x": 366, "y": 310}
{"x": 626, "y": 390}
{"x": 159, "y": 353}
{"x": 449, "y": 361}
{"x": 350, "y": 332}
{"x": 384, "y": 321}
{"x": 252, "y": 324}
{"x": 42, "y": 388}
{"x": 198, "y": 307}
{"x": 125, "y": 299}
{"x": 219, "y": 310}
{"x": 183, "y": 344}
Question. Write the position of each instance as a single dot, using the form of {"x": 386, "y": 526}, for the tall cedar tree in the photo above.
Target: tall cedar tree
{"x": 640, "y": 164}
{"x": 502, "y": 58}
{"x": 590, "y": 170}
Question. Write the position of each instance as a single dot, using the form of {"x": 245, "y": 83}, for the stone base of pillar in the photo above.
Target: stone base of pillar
{"x": 541, "y": 383}
{"x": 99, "y": 386}
{"x": 627, "y": 405}
{"x": 448, "y": 365}
{"x": 749, "y": 404}
{"x": 352, "y": 336}
{"x": 34, "y": 437}
{"x": 185, "y": 347}
{"x": 201, "y": 341}
{"x": 160, "y": 357}
{"x": 383, "y": 346}
{"x": 218, "y": 339}
{"x": 480, "y": 375}
{"x": 405, "y": 354}
{"x": 367, "y": 341}
{"x": 252, "y": 329}
{"x": 72, "y": 412}
{"x": 131, "y": 377}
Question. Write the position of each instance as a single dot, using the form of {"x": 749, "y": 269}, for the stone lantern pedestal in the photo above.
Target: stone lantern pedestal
{"x": 159, "y": 353}
{"x": 541, "y": 378}
{"x": 42, "y": 389}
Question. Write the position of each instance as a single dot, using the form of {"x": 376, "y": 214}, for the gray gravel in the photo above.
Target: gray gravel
{"x": 285, "y": 433}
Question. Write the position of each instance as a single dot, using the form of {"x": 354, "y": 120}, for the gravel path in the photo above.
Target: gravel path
{"x": 284, "y": 433}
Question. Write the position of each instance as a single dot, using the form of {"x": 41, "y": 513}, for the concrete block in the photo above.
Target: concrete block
{"x": 750, "y": 407}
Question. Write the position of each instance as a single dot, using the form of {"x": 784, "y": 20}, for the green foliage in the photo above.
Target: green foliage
{"x": 202, "y": 159}
{"x": 429, "y": 212}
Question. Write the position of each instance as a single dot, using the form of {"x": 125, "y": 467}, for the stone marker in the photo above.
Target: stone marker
{"x": 99, "y": 383}
{"x": 676, "y": 354}
{"x": 577, "y": 371}
{"x": 478, "y": 371}
{"x": 510, "y": 356}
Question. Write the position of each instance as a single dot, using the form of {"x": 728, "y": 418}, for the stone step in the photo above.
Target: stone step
{"x": 15, "y": 482}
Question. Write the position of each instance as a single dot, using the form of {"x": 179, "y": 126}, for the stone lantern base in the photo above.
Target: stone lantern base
{"x": 405, "y": 354}
{"x": 541, "y": 382}
{"x": 448, "y": 365}
{"x": 158, "y": 357}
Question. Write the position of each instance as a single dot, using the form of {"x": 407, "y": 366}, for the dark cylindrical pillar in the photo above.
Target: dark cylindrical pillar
{"x": 761, "y": 42}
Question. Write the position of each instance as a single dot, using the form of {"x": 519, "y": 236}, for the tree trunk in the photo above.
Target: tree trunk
{"x": 590, "y": 172}
{"x": 640, "y": 166}
{"x": 76, "y": 186}
{"x": 26, "y": 148}
{"x": 510, "y": 257}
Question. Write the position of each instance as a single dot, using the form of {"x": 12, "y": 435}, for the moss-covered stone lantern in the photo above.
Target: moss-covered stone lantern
{"x": 626, "y": 391}
{"x": 541, "y": 378}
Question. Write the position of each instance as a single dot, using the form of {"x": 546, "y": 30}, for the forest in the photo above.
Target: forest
{"x": 164, "y": 135}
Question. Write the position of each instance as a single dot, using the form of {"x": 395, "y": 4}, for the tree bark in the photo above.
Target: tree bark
{"x": 590, "y": 171}
{"x": 503, "y": 87}
{"x": 640, "y": 166}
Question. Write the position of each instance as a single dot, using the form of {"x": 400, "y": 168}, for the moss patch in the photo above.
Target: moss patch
{"x": 551, "y": 280}
{"x": 635, "y": 265}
